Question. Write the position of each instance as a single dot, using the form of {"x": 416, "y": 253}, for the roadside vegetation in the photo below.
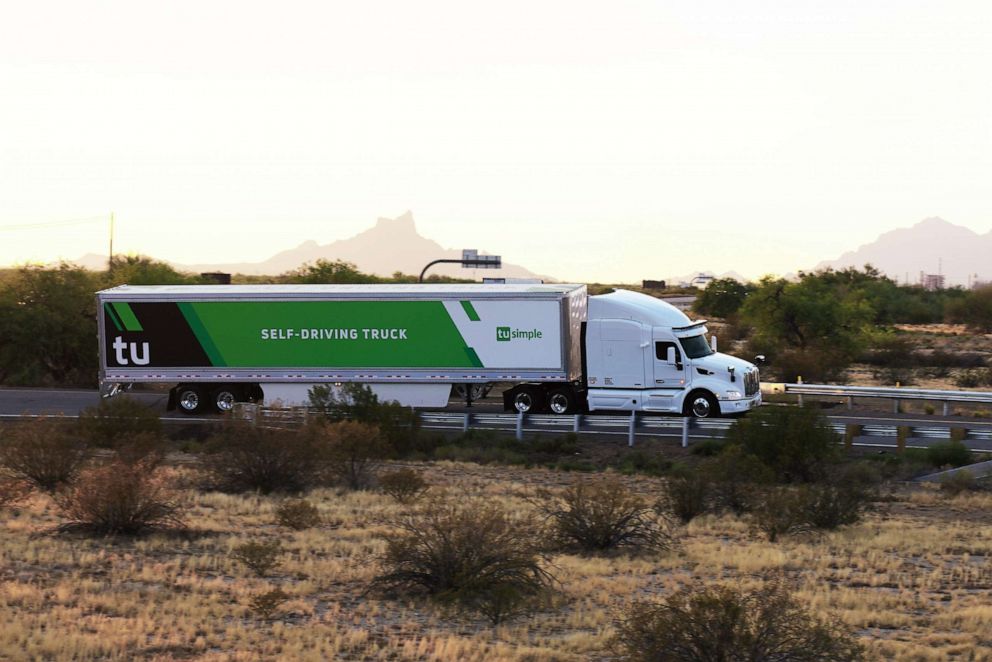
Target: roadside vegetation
{"x": 264, "y": 543}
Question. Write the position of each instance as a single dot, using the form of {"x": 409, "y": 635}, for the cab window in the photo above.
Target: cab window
{"x": 661, "y": 351}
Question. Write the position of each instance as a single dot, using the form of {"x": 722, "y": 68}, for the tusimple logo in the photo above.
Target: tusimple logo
{"x": 136, "y": 358}
{"x": 506, "y": 334}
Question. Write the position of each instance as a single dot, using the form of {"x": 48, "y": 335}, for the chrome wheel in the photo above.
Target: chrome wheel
{"x": 703, "y": 406}
{"x": 189, "y": 400}
{"x": 523, "y": 402}
{"x": 559, "y": 403}
{"x": 224, "y": 400}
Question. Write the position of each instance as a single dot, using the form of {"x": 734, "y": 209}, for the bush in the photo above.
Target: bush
{"x": 733, "y": 478}
{"x": 243, "y": 457}
{"x": 974, "y": 378}
{"x": 470, "y": 554}
{"x": 644, "y": 462}
{"x": 265, "y": 605}
{"x": 829, "y": 506}
{"x": 116, "y": 421}
{"x": 781, "y": 510}
{"x": 686, "y": 493}
{"x": 398, "y": 425}
{"x": 297, "y": 514}
{"x": 43, "y": 451}
{"x": 353, "y": 451}
{"x": 121, "y": 497}
{"x": 604, "y": 516}
{"x": 948, "y": 454}
{"x": 404, "y": 485}
{"x": 260, "y": 557}
{"x": 708, "y": 447}
{"x": 699, "y": 624}
{"x": 796, "y": 443}
{"x": 958, "y": 483}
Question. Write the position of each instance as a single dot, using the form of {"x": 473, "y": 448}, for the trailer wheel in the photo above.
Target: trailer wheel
{"x": 701, "y": 404}
{"x": 527, "y": 400}
{"x": 190, "y": 400}
{"x": 224, "y": 398}
{"x": 562, "y": 401}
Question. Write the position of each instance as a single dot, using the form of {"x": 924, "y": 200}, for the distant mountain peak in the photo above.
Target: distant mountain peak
{"x": 401, "y": 224}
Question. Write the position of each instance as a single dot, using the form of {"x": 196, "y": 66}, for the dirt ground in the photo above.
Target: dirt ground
{"x": 912, "y": 580}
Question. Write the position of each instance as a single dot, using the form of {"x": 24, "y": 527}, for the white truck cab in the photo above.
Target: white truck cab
{"x": 643, "y": 354}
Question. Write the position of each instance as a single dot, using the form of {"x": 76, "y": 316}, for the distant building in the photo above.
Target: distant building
{"x": 218, "y": 277}
{"x": 701, "y": 281}
{"x": 653, "y": 284}
{"x": 976, "y": 284}
{"x": 932, "y": 282}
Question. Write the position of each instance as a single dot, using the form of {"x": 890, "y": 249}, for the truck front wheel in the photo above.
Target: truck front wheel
{"x": 701, "y": 404}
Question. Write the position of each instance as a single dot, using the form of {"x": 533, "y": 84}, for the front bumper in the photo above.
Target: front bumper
{"x": 740, "y": 406}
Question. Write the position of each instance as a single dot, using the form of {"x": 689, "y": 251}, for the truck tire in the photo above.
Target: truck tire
{"x": 191, "y": 400}
{"x": 701, "y": 404}
{"x": 563, "y": 401}
{"x": 528, "y": 401}
{"x": 224, "y": 398}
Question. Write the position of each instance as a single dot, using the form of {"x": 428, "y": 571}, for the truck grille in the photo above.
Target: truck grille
{"x": 751, "y": 383}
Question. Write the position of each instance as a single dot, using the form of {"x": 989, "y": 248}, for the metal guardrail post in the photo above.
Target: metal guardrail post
{"x": 850, "y": 402}
{"x": 686, "y": 420}
{"x": 947, "y": 406}
{"x": 576, "y": 423}
{"x": 520, "y": 425}
{"x": 631, "y": 428}
{"x": 799, "y": 380}
{"x": 466, "y": 422}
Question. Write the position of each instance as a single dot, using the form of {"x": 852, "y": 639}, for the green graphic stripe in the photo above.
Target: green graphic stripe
{"x": 127, "y": 317}
{"x": 107, "y": 308}
{"x": 200, "y": 331}
{"x": 470, "y": 311}
{"x": 473, "y": 357}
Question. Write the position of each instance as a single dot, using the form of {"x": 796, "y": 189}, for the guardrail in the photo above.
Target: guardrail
{"x": 897, "y": 394}
{"x": 869, "y": 432}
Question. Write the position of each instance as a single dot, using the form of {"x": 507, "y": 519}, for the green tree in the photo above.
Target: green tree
{"x": 974, "y": 309}
{"x": 141, "y": 270}
{"x": 722, "y": 298}
{"x": 326, "y": 271}
{"x": 48, "y": 326}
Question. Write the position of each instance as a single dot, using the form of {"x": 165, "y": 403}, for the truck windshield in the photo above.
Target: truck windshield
{"x": 696, "y": 346}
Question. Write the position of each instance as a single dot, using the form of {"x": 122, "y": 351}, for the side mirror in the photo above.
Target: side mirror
{"x": 759, "y": 359}
{"x": 672, "y": 357}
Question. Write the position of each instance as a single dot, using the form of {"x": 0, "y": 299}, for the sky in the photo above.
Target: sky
{"x": 588, "y": 141}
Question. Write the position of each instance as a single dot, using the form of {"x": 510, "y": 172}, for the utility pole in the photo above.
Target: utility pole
{"x": 110, "y": 258}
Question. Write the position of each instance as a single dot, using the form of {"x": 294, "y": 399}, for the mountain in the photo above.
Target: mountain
{"x": 933, "y": 245}
{"x": 391, "y": 245}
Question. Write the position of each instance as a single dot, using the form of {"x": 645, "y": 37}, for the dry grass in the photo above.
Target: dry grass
{"x": 913, "y": 582}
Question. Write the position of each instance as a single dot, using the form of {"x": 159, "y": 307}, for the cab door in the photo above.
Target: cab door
{"x": 669, "y": 365}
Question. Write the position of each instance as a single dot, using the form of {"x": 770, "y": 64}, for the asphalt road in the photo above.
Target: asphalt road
{"x": 35, "y": 401}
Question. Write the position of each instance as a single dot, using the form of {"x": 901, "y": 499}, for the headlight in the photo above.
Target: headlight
{"x": 734, "y": 395}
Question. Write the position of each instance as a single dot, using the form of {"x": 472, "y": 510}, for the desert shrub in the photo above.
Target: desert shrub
{"x": 700, "y": 624}
{"x": 398, "y": 425}
{"x": 265, "y": 605}
{"x": 604, "y": 516}
{"x": 708, "y": 447}
{"x": 555, "y": 445}
{"x": 260, "y": 557}
{"x": 685, "y": 493}
{"x": 796, "y": 443}
{"x": 121, "y": 497}
{"x": 781, "y": 510}
{"x": 948, "y": 454}
{"x": 470, "y": 554}
{"x": 353, "y": 451}
{"x": 115, "y": 422}
{"x": 404, "y": 485}
{"x": 814, "y": 365}
{"x": 12, "y": 491}
{"x": 831, "y": 505}
{"x": 975, "y": 378}
{"x": 44, "y": 451}
{"x": 733, "y": 477}
{"x": 644, "y": 462}
{"x": 958, "y": 483}
{"x": 242, "y": 457}
{"x": 297, "y": 514}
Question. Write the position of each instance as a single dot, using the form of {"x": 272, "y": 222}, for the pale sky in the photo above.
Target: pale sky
{"x": 608, "y": 141}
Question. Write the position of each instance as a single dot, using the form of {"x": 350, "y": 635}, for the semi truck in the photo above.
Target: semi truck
{"x": 558, "y": 349}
